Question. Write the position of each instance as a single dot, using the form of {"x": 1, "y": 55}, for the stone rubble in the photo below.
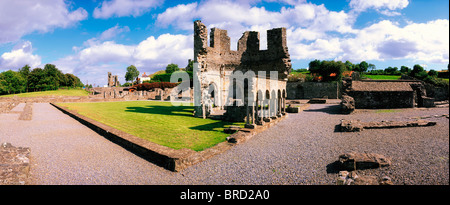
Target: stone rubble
{"x": 352, "y": 178}
{"x": 355, "y": 160}
{"x": 14, "y": 164}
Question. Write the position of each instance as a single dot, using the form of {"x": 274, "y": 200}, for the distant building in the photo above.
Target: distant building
{"x": 145, "y": 77}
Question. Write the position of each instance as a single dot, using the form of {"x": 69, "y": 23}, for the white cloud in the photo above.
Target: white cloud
{"x": 113, "y": 32}
{"x": 386, "y": 41}
{"x": 18, "y": 18}
{"x": 105, "y": 35}
{"x": 316, "y": 32}
{"x": 157, "y": 53}
{"x": 237, "y": 17}
{"x": 180, "y": 15}
{"x": 387, "y": 12}
{"x": 362, "y": 5}
{"x": 120, "y": 8}
{"x": 152, "y": 54}
{"x": 106, "y": 52}
{"x": 20, "y": 55}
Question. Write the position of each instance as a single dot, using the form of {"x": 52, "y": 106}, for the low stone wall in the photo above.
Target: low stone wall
{"x": 7, "y": 106}
{"x": 171, "y": 159}
{"x": 308, "y": 90}
{"x": 383, "y": 100}
{"x": 122, "y": 93}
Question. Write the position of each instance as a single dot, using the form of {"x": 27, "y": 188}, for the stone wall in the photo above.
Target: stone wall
{"x": 308, "y": 90}
{"x": 438, "y": 93}
{"x": 123, "y": 93}
{"x": 383, "y": 100}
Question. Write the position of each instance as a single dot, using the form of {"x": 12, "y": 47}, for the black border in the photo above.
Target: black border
{"x": 305, "y": 194}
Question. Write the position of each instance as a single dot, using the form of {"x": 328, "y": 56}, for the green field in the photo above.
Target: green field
{"x": 383, "y": 77}
{"x": 60, "y": 92}
{"x": 158, "y": 122}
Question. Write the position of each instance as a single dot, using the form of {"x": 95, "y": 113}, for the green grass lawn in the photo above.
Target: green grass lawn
{"x": 383, "y": 77}
{"x": 158, "y": 122}
{"x": 60, "y": 92}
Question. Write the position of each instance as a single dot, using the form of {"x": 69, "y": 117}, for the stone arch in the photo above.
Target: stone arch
{"x": 214, "y": 94}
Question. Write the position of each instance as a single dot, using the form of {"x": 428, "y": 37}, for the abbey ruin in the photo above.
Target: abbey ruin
{"x": 247, "y": 84}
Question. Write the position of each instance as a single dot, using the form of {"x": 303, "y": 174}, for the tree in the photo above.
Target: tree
{"x": 34, "y": 79}
{"x": 349, "y": 65}
{"x": 390, "y": 70}
{"x": 433, "y": 73}
{"x": 372, "y": 66}
{"x": 132, "y": 73}
{"x": 172, "y": 68}
{"x": 25, "y": 72}
{"x": 404, "y": 69}
{"x": 314, "y": 66}
{"x": 12, "y": 82}
{"x": 332, "y": 70}
{"x": 363, "y": 66}
{"x": 329, "y": 70}
{"x": 416, "y": 70}
{"x": 52, "y": 77}
{"x": 72, "y": 80}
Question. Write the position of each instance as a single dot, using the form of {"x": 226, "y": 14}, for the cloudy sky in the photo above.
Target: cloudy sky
{"x": 92, "y": 37}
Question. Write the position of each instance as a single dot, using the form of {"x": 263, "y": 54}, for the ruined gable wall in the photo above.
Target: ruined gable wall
{"x": 248, "y": 56}
{"x": 217, "y": 62}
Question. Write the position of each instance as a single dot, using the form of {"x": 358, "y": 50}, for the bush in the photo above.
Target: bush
{"x": 149, "y": 86}
{"x": 166, "y": 77}
{"x": 124, "y": 85}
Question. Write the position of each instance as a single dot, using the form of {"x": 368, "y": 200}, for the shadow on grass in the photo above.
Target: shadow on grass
{"x": 186, "y": 111}
{"x": 213, "y": 126}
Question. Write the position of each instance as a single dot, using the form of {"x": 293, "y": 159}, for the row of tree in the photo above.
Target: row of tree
{"x": 38, "y": 79}
{"x": 133, "y": 73}
{"x": 332, "y": 71}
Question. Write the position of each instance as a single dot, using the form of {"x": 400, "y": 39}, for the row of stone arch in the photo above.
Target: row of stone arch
{"x": 259, "y": 107}
{"x": 268, "y": 105}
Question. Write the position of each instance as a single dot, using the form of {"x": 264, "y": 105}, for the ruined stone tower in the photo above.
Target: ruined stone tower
{"x": 243, "y": 80}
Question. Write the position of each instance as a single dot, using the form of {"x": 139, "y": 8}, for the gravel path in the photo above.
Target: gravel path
{"x": 299, "y": 150}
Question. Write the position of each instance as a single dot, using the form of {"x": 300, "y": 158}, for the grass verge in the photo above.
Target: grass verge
{"x": 60, "y": 92}
{"x": 158, "y": 122}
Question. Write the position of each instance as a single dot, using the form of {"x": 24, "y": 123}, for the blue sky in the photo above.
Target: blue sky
{"x": 91, "y": 38}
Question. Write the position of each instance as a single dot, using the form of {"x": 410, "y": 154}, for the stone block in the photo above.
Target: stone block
{"x": 354, "y": 160}
{"x": 250, "y": 126}
{"x": 232, "y": 129}
{"x": 347, "y": 104}
{"x": 267, "y": 119}
{"x": 292, "y": 109}
{"x": 351, "y": 126}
